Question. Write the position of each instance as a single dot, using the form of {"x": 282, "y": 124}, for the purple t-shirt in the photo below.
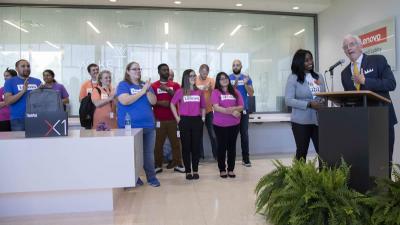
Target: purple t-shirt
{"x": 189, "y": 105}
{"x": 60, "y": 88}
{"x": 225, "y": 100}
{"x": 5, "y": 111}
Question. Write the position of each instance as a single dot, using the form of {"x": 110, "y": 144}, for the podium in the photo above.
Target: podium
{"x": 356, "y": 129}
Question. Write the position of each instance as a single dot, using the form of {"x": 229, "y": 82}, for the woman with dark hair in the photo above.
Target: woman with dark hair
{"x": 50, "y": 82}
{"x": 301, "y": 87}
{"x": 228, "y": 105}
{"x": 103, "y": 97}
{"x": 5, "y": 124}
{"x": 190, "y": 119}
{"x": 135, "y": 100}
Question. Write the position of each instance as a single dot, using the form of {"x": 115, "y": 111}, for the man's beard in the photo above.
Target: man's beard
{"x": 237, "y": 71}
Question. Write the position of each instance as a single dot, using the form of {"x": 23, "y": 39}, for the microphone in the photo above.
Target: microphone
{"x": 340, "y": 62}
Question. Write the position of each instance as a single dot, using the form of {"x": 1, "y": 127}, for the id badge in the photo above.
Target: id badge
{"x": 244, "y": 112}
{"x": 111, "y": 115}
{"x": 178, "y": 134}
{"x": 158, "y": 124}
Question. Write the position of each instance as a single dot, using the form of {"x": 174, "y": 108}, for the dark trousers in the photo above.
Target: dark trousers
{"x": 302, "y": 135}
{"x": 211, "y": 134}
{"x": 226, "y": 138}
{"x": 391, "y": 145}
{"x": 5, "y": 126}
{"x": 244, "y": 136}
{"x": 190, "y": 128}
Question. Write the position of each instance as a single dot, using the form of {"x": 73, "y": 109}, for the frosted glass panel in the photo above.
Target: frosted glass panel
{"x": 61, "y": 39}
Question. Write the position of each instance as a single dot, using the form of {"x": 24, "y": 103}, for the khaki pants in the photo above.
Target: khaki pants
{"x": 167, "y": 129}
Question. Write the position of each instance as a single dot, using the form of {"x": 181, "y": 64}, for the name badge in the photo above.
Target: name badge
{"x": 244, "y": 112}
{"x": 30, "y": 87}
{"x": 178, "y": 134}
{"x": 158, "y": 124}
{"x": 135, "y": 91}
{"x": 191, "y": 98}
{"x": 111, "y": 115}
{"x": 227, "y": 97}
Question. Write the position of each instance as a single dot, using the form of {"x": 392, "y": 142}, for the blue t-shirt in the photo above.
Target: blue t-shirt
{"x": 15, "y": 85}
{"x": 140, "y": 111}
{"x": 241, "y": 88}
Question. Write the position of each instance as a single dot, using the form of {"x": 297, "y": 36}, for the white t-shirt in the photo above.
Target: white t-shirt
{"x": 313, "y": 84}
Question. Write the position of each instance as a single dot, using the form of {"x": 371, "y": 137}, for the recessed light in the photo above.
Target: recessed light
{"x": 239, "y": 4}
{"x": 178, "y": 2}
{"x": 113, "y": 0}
{"x": 296, "y": 8}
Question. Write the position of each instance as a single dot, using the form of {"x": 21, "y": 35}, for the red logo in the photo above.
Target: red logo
{"x": 374, "y": 37}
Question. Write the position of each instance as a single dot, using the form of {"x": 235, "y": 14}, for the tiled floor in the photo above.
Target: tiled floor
{"x": 208, "y": 201}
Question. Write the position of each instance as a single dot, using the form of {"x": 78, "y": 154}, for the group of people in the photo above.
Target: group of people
{"x": 164, "y": 109}
{"x": 304, "y": 83}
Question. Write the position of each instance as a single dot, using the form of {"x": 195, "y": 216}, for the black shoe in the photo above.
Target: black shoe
{"x": 179, "y": 169}
{"x": 189, "y": 176}
{"x": 196, "y": 176}
{"x": 170, "y": 165}
{"x": 246, "y": 162}
{"x": 223, "y": 174}
{"x": 231, "y": 174}
{"x": 158, "y": 169}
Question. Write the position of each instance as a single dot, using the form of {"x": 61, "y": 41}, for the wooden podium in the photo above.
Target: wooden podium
{"x": 356, "y": 129}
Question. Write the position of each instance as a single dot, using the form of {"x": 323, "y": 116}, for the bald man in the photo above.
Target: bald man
{"x": 244, "y": 85}
{"x": 369, "y": 72}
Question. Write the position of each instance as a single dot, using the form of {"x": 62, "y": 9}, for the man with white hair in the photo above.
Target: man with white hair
{"x": 369, "y": 72}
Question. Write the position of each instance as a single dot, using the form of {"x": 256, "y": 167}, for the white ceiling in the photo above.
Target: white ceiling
{"x": 305, "y": 6}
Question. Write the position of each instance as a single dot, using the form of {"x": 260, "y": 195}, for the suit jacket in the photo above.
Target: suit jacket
{"x": 379, "y": 78}
{"x": 297, "y": 96}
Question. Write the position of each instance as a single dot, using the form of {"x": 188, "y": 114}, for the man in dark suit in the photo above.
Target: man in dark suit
{"x": 369, "y": 72}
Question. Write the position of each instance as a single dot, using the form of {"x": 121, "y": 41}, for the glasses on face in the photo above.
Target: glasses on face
{"x": 136, "y": 69}
{"x": 350, "y": 45}
{"x": 223, "y": 78}
{"x": 192, "y": 76}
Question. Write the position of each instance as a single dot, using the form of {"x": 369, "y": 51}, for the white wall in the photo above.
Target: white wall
{"x": 345, "y": 16}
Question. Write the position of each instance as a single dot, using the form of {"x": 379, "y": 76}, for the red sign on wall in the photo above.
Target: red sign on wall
{"x": 374, "y": 37}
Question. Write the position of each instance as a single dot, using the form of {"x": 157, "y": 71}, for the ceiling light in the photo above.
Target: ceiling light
{"x": 239, "y": 4}
{"x": 109, "y": 44}
{"x": 236, "y": 29}
{"x": 113, "y": 0}
{"x": 177, "y": 2}
{"x": 166, "y": 45}
{"x": 220, "y": 46}
{"x": 93, "y": 27}
{"x": 296, "y": 8}
{"x": 299, "y": 32}
{"x": 166, "y": 28}
{"x": 15, "y": 25}
{"x": 52, "y": 45}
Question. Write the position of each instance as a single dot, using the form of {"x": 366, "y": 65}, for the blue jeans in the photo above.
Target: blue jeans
{"x": 18, "y": 125}
{"x": 167, "y": 150}
{"x": 149, "y": 137}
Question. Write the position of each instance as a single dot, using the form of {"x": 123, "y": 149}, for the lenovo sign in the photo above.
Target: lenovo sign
{"x": 374, "y": 37}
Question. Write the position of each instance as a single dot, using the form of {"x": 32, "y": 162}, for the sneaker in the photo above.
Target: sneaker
{"x": 246, "y": 163}
{"x": 179, "y": 169}
{"x": 223, "y": 174}
{"x": 154, "y": 182}
{"x": 158, "y": 169}
{"x": 231, "y": 174}
{"x": 139, "y": 182}
{"x": 170, "y": 165}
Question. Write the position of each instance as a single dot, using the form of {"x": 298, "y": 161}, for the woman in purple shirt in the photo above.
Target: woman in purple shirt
{"x": 50, "y": 82}
{"x": 190, "y": 119}
{"x": 5, "y": 124}
{"x": 228, "y": 105}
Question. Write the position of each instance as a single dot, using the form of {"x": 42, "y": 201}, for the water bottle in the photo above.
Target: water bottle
{"x": 127, "y": 122}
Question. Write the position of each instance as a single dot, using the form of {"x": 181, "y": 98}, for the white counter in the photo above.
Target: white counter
{"x": 78, "y": 173}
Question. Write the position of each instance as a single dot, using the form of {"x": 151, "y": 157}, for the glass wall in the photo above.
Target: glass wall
{"x": 61, "y": 39}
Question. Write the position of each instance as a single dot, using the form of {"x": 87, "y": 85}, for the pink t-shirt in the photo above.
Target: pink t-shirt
{"x": 189, "y": 105}
{"x": 5, "y": 111}
{"x": 225, "y": 100}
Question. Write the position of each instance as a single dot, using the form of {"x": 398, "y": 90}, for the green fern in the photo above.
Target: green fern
{"x": 300, "y": 194}
{"x": 385, "y": 200}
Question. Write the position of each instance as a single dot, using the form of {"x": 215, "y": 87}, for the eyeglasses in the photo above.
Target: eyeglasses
{"x": 350, "y": 45}
{"x": 223, "y": 78}
{"x": 136, "y": 69}
{"x": 192, "y": 76}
